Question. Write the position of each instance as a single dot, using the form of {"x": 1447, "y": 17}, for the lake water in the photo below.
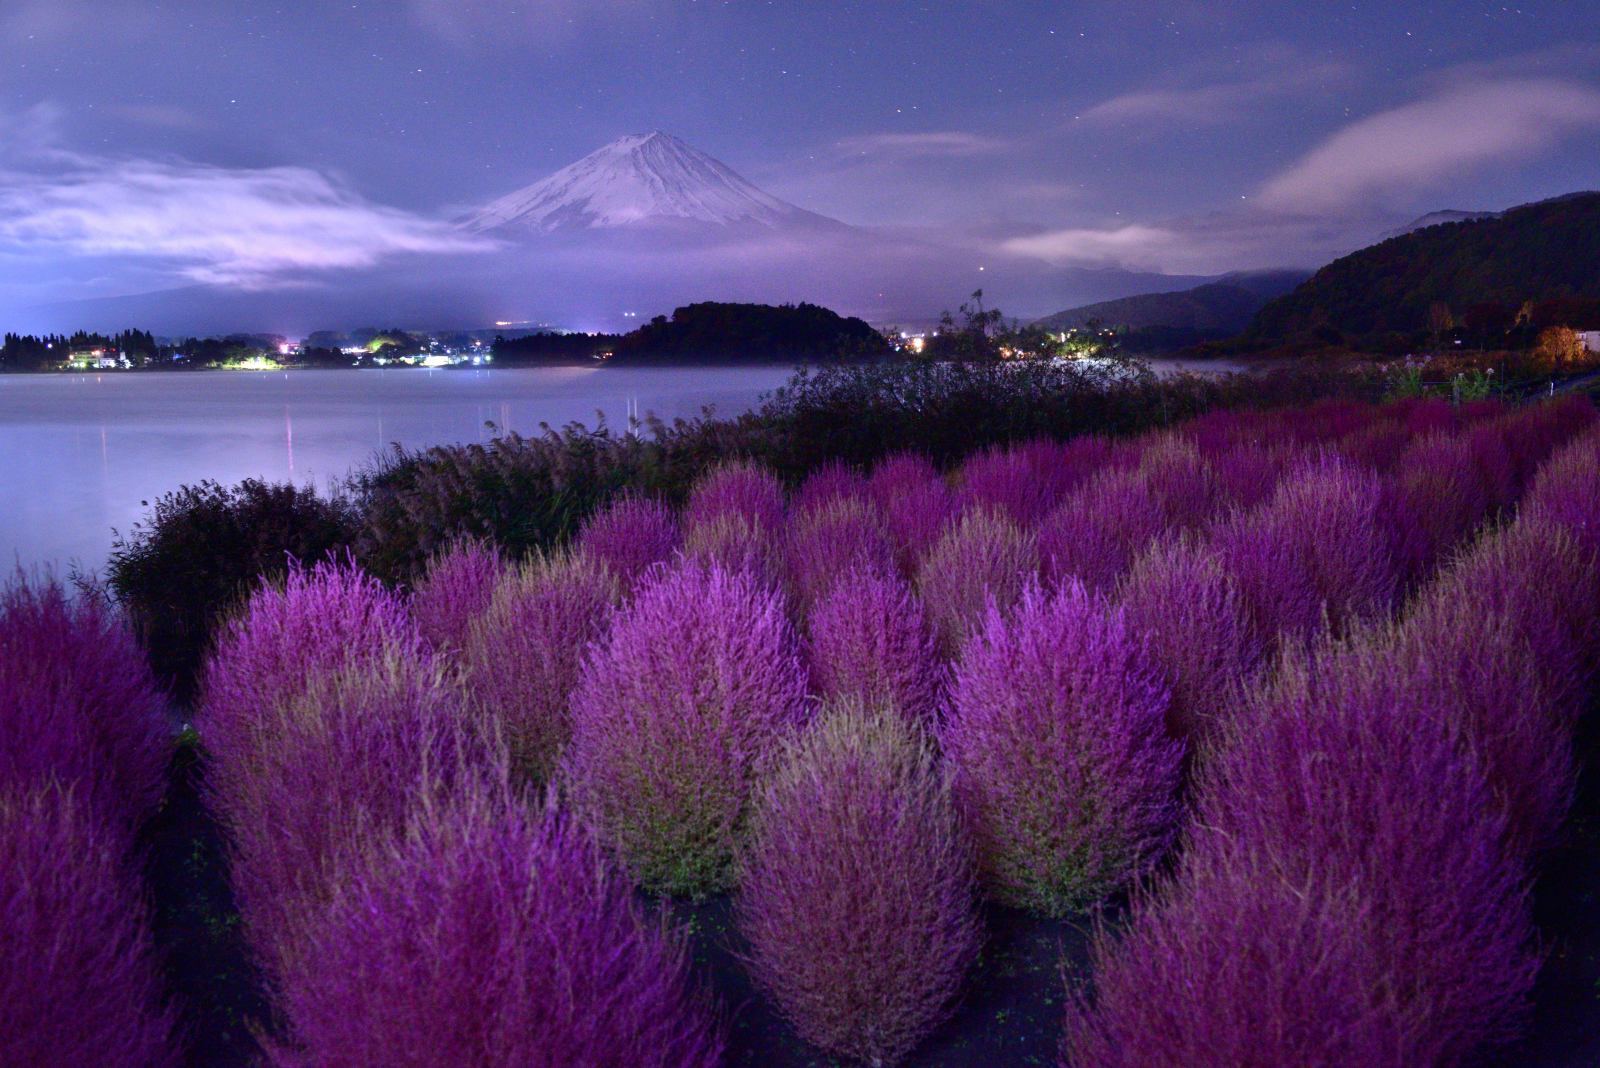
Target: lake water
{"x": 79, "y": 453}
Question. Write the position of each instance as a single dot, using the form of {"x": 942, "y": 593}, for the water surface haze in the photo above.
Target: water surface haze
{"x": 79, "y": 453}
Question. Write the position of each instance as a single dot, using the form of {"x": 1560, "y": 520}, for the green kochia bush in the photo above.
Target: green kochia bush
{"x": 858, "y": 894}
{"x": 677, "y": 712}
{"x": 1063, "y": 770}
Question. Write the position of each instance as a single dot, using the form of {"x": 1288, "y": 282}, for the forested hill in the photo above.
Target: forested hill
{"x": 1530, "y": 255}
{"x": 750, "y": 333}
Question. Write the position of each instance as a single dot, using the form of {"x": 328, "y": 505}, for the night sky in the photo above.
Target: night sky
{"x": 225, "y": 147}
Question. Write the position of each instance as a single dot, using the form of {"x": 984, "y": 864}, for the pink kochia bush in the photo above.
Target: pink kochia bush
{"x": 677, "y": 712}
{"x": 734, "y": 519}
{"x": 858, "y": 894}
{"x": 78, "y": 705}
{"x": 457, "y": 590}
{"x": 79, "y": 980}
{"x": 1344, "y": 897}
{"x": 916, "y": 504}
{"x": 869, "y": 642}
{"x": 1063, "y": 770}
{"x": 1098, "y": 532}
{"x": 1198, "y": 633}
{"x": 630, "y": 536}
{"x": 981, "y": 560}
{"x": 831, "y": 539}
{"x": 493, "y": 937}
{"x": 523, "y": 654}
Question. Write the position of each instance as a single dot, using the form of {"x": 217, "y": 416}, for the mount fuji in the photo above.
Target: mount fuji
{"x": 654, "y": 182}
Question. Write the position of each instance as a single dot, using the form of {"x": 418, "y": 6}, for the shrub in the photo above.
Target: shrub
{"x": 737, "y": 489}
{"x": 857, "y": 898}
{"x": 1006, "y": 483}
{"x": 523, "y": 655}
{"x": 676, "y": 713}
{"x": 79, "y": 980}
{"x": 1198, "y": 634}
{"x": 203, "y": 549}
{"x": 1098, "y": 532}
{"x": 457, "y": 590}
{"x": 1320, "y": 914}
{"x": 78, "y": 705}
{"x": 869, "y": 642}
{"x": 1566, "y": 490}
{"x": 491, "y": 937}
{"x": 1062, "y": 768}
{"x": 828, "y": 484}
{"x": 1436, "y": 498}
{"x": 345, "y": 762}
{"x": 1181, "y": 481}
{"x": 982, "y": 558}
{"x": 630, "y": 537}
{"x": 916, "y": 505}
{"x": 1316, "y": 554}
{"x": 830, "y": 540}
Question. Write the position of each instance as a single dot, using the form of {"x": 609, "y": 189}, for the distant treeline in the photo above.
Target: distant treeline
{"x": 1490, "y": 283}
{"x": 553, "y": 348}
{"x": 139, "y": 348}
{"x": 751, "y": 333}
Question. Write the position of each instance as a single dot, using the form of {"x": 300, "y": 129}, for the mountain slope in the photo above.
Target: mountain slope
{"x": 1223, "y": 306}
{"x": 640, "y": 181}
{"x": 1532, "y": 253}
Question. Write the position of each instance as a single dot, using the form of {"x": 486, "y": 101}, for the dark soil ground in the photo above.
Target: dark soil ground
{"x": 1010, "y": 1013}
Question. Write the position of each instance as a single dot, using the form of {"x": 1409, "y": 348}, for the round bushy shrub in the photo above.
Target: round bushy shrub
{"x": 829, "y": 540}
{"x": 630, "y": 537}
{"x": 1062, "y": 767}
{"x": 676, "y": 713}
{"x": 523, "y": 654}
{"x": 869, "y": 642}
{"x": 1198, "y": 634}
{"x": 737, "y": 489}
{"x": 79, "y": 980}
{"x": 78, "y": 705}
{"x": 916, "y": 505}
{"x": 456, "y": 590}
{"x": 493, "y": 938}
{"x": 858, "y": 895}
{"x": 1098, "y": 532}
{"x": 983, "y": 559}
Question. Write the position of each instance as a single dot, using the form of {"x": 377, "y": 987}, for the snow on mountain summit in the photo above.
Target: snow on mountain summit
{"x": 638, "y": 180}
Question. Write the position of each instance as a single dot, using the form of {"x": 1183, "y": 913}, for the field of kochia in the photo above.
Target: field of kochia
{"x": 1299, "y": 687}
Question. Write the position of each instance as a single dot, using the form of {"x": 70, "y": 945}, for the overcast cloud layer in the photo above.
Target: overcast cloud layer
{"x": 315, "y": 147}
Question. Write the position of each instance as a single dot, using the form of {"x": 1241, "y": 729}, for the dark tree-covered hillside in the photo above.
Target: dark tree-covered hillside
{"x": 751, "y": 333}
{"x": 1543, "y": 256}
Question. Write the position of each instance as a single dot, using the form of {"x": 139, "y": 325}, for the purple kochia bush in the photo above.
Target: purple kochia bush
{"x": 1006, "y": 483}
{"x": 678, "y": 710}
{"x": 1435, "y": 498}
{"x": 344, "y": 764}
{"x": 916, "y": 505}
{"x": 457, "y": 590}
{"x": 326, "y": 720}
{"x": 827, "y": 485}
{"x": 1181, "y": 481}
{"x": 984, "y": 559}
{"x": 78, "y": 705}
{"x": 79, "y": 980}
{"x": 1062, "y": 768}
{"x": 1320, "y": 913}
{"x": 1316, "y": 554}
{"x": 825, "y": 542}
{"x": 523, "y": 654}
{"x": 734, "y": 519}
{"x": 1198, "y": 633}
{"x": 1567, "y": 489}
{"x": 1099, "y": 531}
{"x": 869, "y": 641}
{"x": 630, "y": 536}
{"x": 492, "y": 937}
{"x": 858, "y": 893}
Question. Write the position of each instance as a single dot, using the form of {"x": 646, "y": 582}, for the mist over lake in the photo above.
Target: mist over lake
{"x": 78, "y": 453}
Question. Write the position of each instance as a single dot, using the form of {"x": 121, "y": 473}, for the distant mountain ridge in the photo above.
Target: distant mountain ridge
{"x": 634, "y": 182}
{"x": 1537, "y": 252}
{"x": 1225, "y": 306}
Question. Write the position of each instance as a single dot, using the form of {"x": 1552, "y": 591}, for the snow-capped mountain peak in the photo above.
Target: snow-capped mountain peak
{"x": 638, "y": 180}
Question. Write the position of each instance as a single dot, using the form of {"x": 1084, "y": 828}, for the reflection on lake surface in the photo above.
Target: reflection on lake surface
{"x": 79, "y": 452}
